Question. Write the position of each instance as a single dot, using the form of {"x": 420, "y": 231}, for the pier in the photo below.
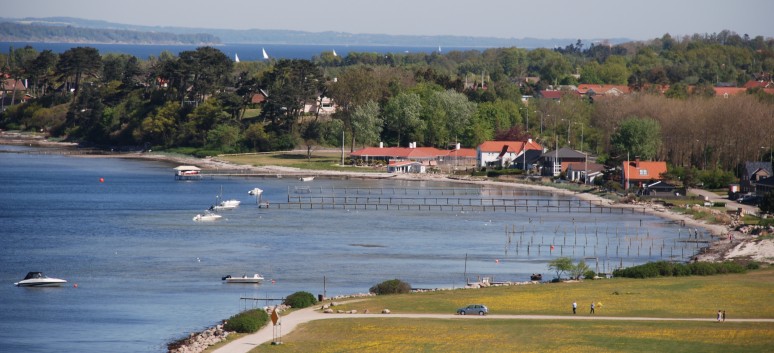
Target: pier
{"x": 441, "y": 199}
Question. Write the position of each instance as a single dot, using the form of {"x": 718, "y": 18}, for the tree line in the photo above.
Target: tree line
{"x": 200, "y": 99}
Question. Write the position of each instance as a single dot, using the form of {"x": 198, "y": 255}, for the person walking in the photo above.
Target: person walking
{"x": 720, "y": 315}
{"x": 574, "y": 307}
{"x": 723, "y": 316}
{"x": 592, "y": 308}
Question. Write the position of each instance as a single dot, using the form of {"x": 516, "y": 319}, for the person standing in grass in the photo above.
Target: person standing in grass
{"x": 592, "y": 308}
{"x": 574, "y": 307}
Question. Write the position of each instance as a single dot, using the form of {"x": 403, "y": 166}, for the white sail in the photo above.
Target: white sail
{"x": 334, "y": 53}
{"x": 265, "y": 56}
{"x": 439, "y": 48}
{"x": 236, "y": 57}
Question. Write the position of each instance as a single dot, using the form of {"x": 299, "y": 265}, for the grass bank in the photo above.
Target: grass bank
{"x": 319, "y": 160}
{"x": 741, "y": 295}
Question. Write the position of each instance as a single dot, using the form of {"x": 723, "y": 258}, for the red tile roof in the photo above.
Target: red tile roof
{"x": 653, "y": 170}
{"x": 723, "y": 91}
{"x": 513, "y": 146}
{"x": 413, "y": 153}
{"x": 754, "y": 84}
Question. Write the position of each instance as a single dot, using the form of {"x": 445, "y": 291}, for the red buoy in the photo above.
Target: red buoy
{"x": 101, "y": 180}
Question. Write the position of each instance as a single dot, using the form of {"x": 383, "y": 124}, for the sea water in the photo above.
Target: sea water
{"x": 146, "y": 273}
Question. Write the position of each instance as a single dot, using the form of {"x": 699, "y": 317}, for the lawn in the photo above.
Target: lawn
{"x": 742, "y": 296}
{"x": 437, "y": 335}
{"x": 319, "y": 160}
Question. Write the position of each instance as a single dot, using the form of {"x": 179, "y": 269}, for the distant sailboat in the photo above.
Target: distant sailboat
{"x": 334, "y": 53}
{"x": 236, "y": 57}
{"x": 265, "y": 56}
{"x": 439, "y": 48}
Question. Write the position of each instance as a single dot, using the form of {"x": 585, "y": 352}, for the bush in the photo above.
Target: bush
{"x": 669, "y": 269}
{"x": 393, "y": 286}
{"x": 590, "y": 274}
{"x": 247, "y": 321}
{"x": 300, "y": 300}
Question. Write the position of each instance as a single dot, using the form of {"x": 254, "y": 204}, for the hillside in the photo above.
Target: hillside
{"x": 68, "y": 29}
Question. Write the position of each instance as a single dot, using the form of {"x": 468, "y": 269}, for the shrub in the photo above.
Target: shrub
{"x": 393, "y": 286}
{"x": 668, "y": 269}
{"x": 247, "y": 321}
{"x": 753, "y": 266}
{"x": 590, "y": 274}
{"x": 300, "y": 300}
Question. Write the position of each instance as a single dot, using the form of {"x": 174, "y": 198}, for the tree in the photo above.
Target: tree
{"x": 579, "y": 269}
{"x": 78, "y": 62}
{"x": 393, "y": 286}
{"x": 560, "y": 266}
{"x": 290, "y": 85}
{"x": 202, "y": 70}
{"x": 639, "y": 137}
{"x": 366, "y": 123}
{"x": 401, "y": 115}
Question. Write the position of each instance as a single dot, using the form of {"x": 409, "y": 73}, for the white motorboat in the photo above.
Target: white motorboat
{"x": 256, "y": 278}
{"x": 207, "y": 217}
{"x": 306, "y": 178}
{"x": 221, "y": 204}
{"x": 226, "y": 205}
{"x": 38, "y": 279}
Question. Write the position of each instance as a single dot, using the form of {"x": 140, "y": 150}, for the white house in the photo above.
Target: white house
{"x": 503, "y": 153}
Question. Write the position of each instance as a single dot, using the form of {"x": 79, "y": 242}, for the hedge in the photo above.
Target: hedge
{"x": 247, "y": 321}
{"x": 670, "y": 269}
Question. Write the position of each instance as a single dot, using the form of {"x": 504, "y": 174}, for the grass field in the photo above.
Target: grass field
{"x": 320, "y": 160}
{"x": 435, "y": 335}
{"x": 742, "y": 296}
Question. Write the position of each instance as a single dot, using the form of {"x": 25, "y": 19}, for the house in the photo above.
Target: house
{"x": 405, "y": 167}
{"x": 576, "y": 171}
{"x": 726, "y": 92}
{"x": 639, "y": 173}
{"x": 12, "y": 89}
{"x": 556, "y": 161}
{"x": 503, "y": 153}
{"x": 322, "y": 105}
{"x": 753, "y": 173}
{"x": 427, "y": 156}
{"x": 258, "y": 97}
{"x": 764, "y": 186}
{"x": 588, "y": 89}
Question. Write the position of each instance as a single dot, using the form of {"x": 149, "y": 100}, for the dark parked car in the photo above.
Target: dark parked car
{"x": 475, "y": 309}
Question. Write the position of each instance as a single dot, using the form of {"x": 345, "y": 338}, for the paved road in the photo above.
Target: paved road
{"x": 289, "y": 322}
{"x": 731, "y": 205}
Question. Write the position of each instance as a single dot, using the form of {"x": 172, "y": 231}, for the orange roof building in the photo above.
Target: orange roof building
{"x": 503, "y": 153}
{"x": 638, "y": 172}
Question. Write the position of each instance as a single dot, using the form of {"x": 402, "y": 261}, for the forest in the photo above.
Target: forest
{"x": 202, "y": 102}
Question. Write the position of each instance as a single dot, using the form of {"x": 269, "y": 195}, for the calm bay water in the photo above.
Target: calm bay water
{"x": 246, "y": 52}
{"x": 148, "y": 274}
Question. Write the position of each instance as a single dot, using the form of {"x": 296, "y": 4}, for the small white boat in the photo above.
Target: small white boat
{"x": 226, "y": 205}
{"x": 256, "y": 278}
{"x": 207, "y": 217}
{"x": 306, "y": 178}
{"x": 38, "y": 279}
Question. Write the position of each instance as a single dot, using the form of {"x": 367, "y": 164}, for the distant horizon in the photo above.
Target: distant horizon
{"x": 501, "y": 19}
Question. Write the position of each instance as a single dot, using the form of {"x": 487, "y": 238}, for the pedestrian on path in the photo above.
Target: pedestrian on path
{"x": 574, "y": 307}
{"x": 720, "y": 315}
{"x": 592, "y": 308}
{"x": 724, "y": 316}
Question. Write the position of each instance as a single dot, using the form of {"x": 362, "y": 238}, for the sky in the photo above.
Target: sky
{"x": 588, "y": 19}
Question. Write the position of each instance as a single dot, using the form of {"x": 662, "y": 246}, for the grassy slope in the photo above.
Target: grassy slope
{"x": 742, "y": 296}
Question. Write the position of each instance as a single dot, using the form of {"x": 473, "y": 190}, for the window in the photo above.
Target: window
{"x": 643, "y": 172}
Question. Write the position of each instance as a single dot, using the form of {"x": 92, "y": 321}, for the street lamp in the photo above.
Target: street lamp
{"x": 527, "y": 115}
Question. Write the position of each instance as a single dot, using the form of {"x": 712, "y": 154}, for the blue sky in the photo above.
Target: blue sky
{"x": 587, "y": 19}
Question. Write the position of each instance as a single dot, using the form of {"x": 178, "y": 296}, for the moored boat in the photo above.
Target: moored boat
{"x": 38, "y": 279}
{"x": 207, "y": 216}
{"x": 256, "y": 278}
{"x": 310, "y": 178}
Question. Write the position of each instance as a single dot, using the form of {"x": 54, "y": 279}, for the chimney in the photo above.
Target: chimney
{"x": 381, "y": 144}
{"x": 636, "y": 162}
{"x": 457, "y": 146}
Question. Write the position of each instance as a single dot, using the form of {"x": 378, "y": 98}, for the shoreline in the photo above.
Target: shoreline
{"x": 720, "y": 248}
